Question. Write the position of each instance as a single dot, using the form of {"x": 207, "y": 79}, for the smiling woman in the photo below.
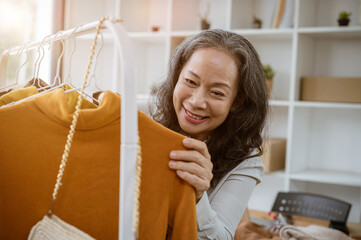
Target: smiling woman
{"x": 23, "y": 21}
{"x": 205, "y": 92}
{"x": 217, "y": 86}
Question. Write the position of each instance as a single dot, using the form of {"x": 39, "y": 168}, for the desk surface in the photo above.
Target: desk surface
{"x": 354, "y": 228}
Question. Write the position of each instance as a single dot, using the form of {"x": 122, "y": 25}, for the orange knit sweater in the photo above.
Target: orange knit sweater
{"x": 32, "y": 140}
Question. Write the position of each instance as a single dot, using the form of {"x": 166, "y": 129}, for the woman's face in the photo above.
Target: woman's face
{"x": 205, "y": 91}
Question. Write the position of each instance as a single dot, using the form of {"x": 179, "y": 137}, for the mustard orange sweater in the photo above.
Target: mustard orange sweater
{"x": 32, "y": 139}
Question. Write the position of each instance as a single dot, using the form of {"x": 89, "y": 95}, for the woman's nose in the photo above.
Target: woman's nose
{"x": 198, "y": 99}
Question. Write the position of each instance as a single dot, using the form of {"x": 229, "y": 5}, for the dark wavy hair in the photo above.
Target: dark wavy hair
{"x": 240, "y": 136}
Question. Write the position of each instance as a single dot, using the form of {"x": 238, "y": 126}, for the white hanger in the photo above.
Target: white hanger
{"x": 40, "y": 50}
{"x": 67, "y": 76}
{"x": 36, "y": 72}
{"x": 92, "y": 78}
{"x": 5, "y": 58}
{"x": 24, "y": 63}
{"x": 92, "y": 75}
{"x": 55, "y": 83}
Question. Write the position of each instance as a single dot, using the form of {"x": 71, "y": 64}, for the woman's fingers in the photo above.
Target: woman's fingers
{"x": 187, "y": 155}
{"x": 193, "y": 165}
{"x": 192, "y": 168}
{"x": 197, "y": 145}
{"x": 198, "y": 183}
{"x": 192, "y": 157}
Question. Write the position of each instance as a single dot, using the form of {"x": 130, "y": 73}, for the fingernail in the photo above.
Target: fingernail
{"x": 172, "y": 154}
{"x": 171, "y": 163}
{"x": 186, "y": 141}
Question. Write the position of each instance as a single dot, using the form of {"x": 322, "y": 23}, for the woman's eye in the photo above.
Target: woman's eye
{"x": 190, "y": 82}
{"x": 218, "y": 94}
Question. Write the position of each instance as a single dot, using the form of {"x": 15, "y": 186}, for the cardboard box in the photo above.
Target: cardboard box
{"x": 274, "y": 155}
{"x": 331, "y": 89}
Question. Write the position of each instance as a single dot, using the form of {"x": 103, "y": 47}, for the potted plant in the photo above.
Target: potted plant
{"x": 257, "y": 22}
{"x": 344, "y": 18}
{"x": 205, "y": 24}
{"x": 269, "y": 74}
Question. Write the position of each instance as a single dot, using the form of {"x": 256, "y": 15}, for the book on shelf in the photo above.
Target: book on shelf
{"x": 278, "y": 13}
{"x": 287, "y": 19}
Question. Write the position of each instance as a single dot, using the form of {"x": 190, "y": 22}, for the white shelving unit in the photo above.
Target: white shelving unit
{"x": 323, "y": 139}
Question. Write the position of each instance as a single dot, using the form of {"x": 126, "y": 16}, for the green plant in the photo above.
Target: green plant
{"x": 268, "y": 71}
{"x": 344, "y": 15}
{"x": 256, "y": 20}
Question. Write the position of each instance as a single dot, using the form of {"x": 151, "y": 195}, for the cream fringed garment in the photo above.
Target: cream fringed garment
{"x": 55, "y": 228}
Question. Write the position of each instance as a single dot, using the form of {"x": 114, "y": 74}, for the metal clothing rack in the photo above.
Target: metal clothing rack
{"x": 125, "y": 74}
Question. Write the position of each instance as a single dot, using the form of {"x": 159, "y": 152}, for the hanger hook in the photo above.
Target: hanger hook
{"x": 57, "y": 79}
{"x": 71, "y": 35}
{"x": 37, "y": 66}
{"x": 23, "y": 64}
{"x": 92, "y": 75}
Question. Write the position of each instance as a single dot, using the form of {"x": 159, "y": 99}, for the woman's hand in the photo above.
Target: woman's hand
{"x": 193, "y": 165}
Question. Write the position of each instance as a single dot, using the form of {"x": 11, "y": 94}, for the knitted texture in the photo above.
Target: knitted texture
{"x": 55, "y": 228}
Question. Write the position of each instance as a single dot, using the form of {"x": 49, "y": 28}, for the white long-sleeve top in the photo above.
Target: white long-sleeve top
{"x": 220, "y": 209}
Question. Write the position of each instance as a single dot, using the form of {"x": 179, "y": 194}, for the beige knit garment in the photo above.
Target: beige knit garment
{"x": 56, "y": 229}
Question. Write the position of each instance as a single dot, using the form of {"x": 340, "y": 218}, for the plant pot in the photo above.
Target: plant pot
{"x": 269, "y": 83}
{"x": 155, "y": 28}
{"x": 343, "y": 22}
{"x": 205, "y": 25}
{"x": 257, "y": 25}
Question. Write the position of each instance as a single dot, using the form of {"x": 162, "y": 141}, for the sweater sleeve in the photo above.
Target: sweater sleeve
{"x": 219, "y": 216}
{"x": 182, "y": 213}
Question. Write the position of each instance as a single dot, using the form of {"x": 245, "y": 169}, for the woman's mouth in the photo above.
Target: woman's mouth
{"x": 194, "y": 118}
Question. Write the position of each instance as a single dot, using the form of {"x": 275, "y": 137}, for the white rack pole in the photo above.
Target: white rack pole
{"x": 129, "y": 132}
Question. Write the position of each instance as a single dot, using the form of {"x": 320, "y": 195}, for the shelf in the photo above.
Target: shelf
{"x": 159, "y": 37}
{"x": 279, "y": 174}
{"x": 332, "y": 32}
{"x": 282, "y": 103}
{"x": 143, "y": 97}
{"x": 156, "y": 37}
{"x": 183, "y": 33}
{"x": 334, "y": 105}
{"x": 107, "y": 37}
{"x": 330, "y": 177}
{"x": 267, "y": 34}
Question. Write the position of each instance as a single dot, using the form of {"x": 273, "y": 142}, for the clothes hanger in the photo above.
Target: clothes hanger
{"x": 41, "y": 54}
{"x": 4, "y": 58}
{"x": 17, "y": 70}
{"x": 68, "y": 68}
{"x": 91, "y": 78}
{"x": 57, "y": 81}
{"x": 73, "y": 87}
{"x": 40, "y": 50}
{"x": 68, "y": 77}
{"x": 26, "y": 60}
